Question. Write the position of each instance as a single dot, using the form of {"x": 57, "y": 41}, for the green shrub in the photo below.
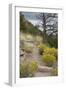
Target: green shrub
{"x": 56, "y": 54}
{"x": 33, "y": 67}
{"x": 28, "y": 49}
{"x": 41, "y": 47}
{"x": 24, "y": 70}
{"x": 54, "y": 72}
{"x": 48, "y": 59}
{"x": 28, "y": 69}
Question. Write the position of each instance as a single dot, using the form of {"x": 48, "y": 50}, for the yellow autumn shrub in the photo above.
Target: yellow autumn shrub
{"x": 48, "y": 59}
{"x": 28, "y": 69}
{"x": 41, "y": 47}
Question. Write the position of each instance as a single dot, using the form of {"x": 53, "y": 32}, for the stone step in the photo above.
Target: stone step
{"x": 44, "y": 68}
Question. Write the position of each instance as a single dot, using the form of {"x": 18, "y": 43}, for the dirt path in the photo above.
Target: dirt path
{"x": 37, "y": 57}
{"x": 42, "y": 74}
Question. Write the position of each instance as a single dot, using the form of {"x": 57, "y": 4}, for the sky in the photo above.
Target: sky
{"x": 32, "y": 17}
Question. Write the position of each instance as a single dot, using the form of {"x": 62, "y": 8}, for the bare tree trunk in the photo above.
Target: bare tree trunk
{"x": 44, "y": 29}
